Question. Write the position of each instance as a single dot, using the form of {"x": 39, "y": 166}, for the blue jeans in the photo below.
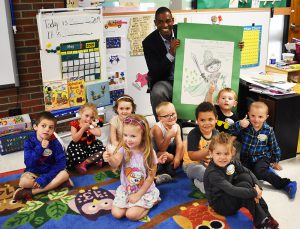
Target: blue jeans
{"x": 194, "y": 171}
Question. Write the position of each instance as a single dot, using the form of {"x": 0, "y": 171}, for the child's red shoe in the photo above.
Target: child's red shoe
{"x": 81, "y": 168}
{"x": 99, "y": 163}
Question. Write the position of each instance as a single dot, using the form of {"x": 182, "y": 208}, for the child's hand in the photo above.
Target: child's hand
{"x": 133, "y": 198}
{"x": 176, "y": 162}
{"x": 45, "y": 143}
{"x": 162, "y": 158}
{"x": 107, "y": 155}
{"x": 259, "y": 191}
{"x": 276, "y": 166}
{"x": 244, "y": 123}
{"x": 170, "y": 133}
{"x": 36, "y": 185}
{"x": 211, "y": 89}
{"x": 86, "y": 126}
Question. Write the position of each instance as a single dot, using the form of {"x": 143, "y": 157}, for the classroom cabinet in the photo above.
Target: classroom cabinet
{"x": 284, "y": 116}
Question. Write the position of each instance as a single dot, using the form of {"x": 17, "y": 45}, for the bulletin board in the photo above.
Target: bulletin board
{"x": 72, "y": 57}
{"x": 135, "y": 65}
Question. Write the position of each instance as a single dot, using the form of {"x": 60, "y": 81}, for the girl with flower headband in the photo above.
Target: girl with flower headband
{"x": 138, "y": 164}
{"x": 123, "y": 107}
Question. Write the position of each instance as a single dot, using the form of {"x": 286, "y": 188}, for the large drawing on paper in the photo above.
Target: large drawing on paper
{"x": 208, "y": 54}
{"x": 206, "y": 62}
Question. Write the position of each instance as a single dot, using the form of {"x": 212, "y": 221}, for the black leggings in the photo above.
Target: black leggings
{"x": 229, "y": 205}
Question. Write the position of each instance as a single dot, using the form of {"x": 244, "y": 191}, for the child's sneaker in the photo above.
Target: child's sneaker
{"x": 274, "y": 222}
{"x": 267, "y": 224}
{"x": 99, "y": 163}
{"x": 81, "y": 168}
{"x": 291, "y": 189}
{"x": 163, "y": 178}
{"x": 199, "y": 185}
{"x": 23, "y": 194}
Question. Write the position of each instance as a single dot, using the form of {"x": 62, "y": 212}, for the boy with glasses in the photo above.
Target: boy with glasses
{"x": 167, "y": 141}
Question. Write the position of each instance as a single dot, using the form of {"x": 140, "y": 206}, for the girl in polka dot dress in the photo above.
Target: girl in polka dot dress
{"x": 85, "y": 149}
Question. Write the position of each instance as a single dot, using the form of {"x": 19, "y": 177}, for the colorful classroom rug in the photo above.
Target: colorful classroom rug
{"x": 88, "y": 205}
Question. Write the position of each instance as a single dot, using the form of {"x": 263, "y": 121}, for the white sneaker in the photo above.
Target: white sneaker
{"x": 199, "y": 185}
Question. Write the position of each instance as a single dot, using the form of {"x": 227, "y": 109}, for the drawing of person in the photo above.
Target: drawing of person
{"x": 212, "y": 66}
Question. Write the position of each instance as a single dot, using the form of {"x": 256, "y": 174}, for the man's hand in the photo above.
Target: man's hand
{"x": 45, "y": 143}
{"x": 241, "y": 45}
{"x": 174, "y": 44}
{"x": 244, "y": 122}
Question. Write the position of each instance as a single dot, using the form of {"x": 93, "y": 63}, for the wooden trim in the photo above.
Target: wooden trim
{"x": 277, "y": 11}
{"x": 282, "y": 11}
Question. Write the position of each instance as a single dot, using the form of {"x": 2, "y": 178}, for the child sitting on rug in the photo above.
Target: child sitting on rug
{"x": 167, "y": 141}
{"x": 135, "y": 155}
{"x": 45, "y": 160}
{"x": 123, "y": 107}
{"x": 260, "y": 149}
{"x": 85, "y": 149}
{"x": 196, "y": 158}
{"x": 230, "y": 186}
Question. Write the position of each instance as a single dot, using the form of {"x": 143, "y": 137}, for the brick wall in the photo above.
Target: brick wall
{"x": 29, "y": 96}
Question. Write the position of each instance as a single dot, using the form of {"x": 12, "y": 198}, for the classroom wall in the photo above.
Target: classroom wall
{"x": 29, "y": 96}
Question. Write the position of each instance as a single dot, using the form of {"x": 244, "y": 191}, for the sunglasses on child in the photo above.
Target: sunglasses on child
{"x": 168, "y": 116}
{"x": 132, "y": 121}
{"x": 220, "y": 123}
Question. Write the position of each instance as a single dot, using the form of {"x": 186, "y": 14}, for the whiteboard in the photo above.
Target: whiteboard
{"x": 240, "y": 17}
{"x": 56, "y": 27}
{"x": 8, "y": 69}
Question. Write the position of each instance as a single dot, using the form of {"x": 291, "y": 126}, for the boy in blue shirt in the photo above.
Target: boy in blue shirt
{"x": 260, "y": 149}
{"x": 45, "y": 160}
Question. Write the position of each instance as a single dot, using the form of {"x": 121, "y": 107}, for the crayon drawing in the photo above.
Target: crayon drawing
{"x": 206, "y": 63}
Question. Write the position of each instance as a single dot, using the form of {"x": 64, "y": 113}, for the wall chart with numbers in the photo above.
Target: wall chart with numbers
{"x": 80, "y": 60}
{"x": 252, "y": 43}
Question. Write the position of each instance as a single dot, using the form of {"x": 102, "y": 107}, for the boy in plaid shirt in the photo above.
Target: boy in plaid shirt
{"x": 260, "y": 149}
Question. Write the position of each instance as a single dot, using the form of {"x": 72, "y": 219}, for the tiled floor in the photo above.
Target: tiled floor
{"x": 285, "y": 211}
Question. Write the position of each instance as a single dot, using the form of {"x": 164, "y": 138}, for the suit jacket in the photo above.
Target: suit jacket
{"x": 159, "y": 66}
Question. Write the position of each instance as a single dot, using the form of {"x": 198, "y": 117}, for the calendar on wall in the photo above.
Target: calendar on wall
{"x": 80, "y": 60}
{"x": 252, "y": 42}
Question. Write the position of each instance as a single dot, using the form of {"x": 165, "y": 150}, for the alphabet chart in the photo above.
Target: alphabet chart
{"x": 80, "y": 60}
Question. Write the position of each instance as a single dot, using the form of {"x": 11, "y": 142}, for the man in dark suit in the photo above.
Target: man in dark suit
{"x": 159, "y": 50}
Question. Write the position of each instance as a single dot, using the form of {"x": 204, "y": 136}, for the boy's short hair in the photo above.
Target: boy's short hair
{"x": 227, "y": 89}
{"x": 259, "y": 104}
{"x": 205, "y": 107}
{"x": 160, "y": 107}
{"x": 45, "y": 115}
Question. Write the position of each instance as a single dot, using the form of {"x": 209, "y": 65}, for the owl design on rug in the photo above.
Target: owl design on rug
{"x": 92, "y": 203}
{"x": 200, "y": 216}
{"x": 7, "y": 204}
